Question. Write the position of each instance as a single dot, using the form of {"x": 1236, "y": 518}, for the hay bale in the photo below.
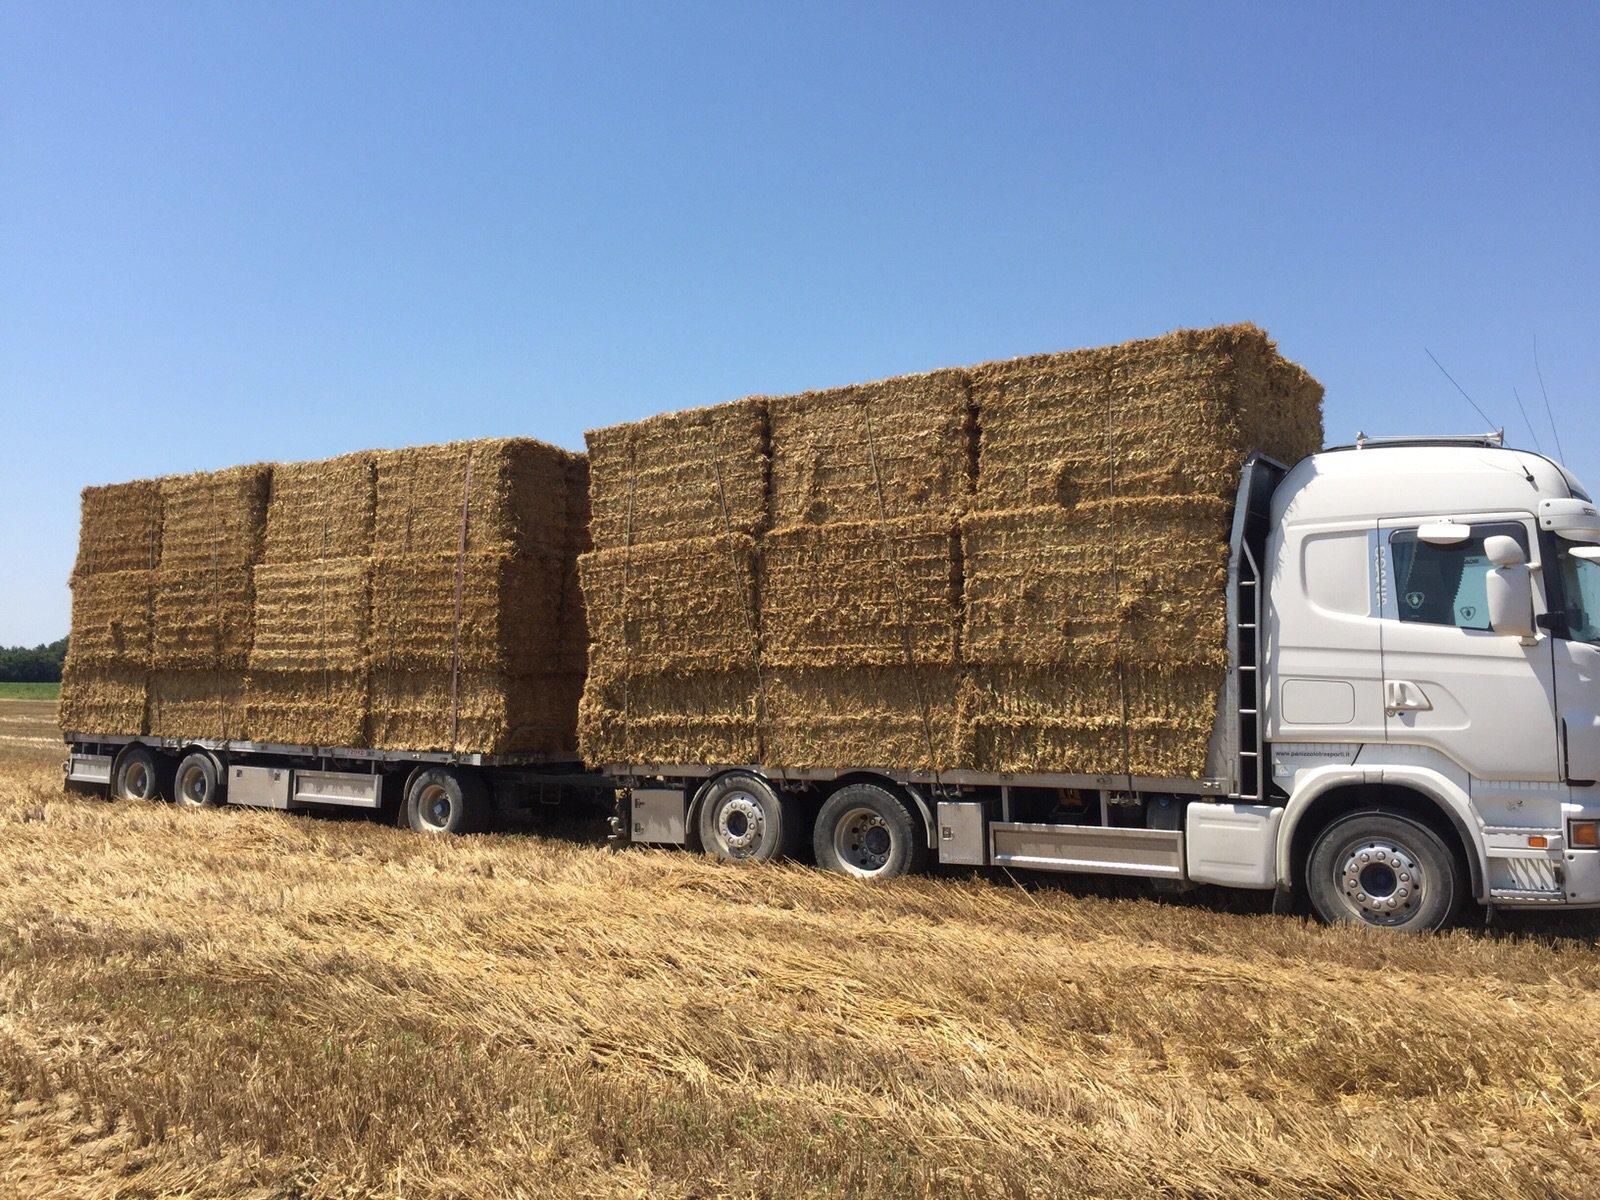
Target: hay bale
{"x": 198, "y": 704}
{"x": 1031, "y": 719}
{"x": 902, "y": 717}
{"x": 695, "y": 474}
{"x": 120, "y": 528}
{"x": 213, "y": 520}
{"x": 687, "y": 605}
{"x": 895, "y": 448}
{"x": 102, "y": 700}
{"x": 204, "y": 618}
{"x": 320, "y": 510}
{"x": 495, "y": 713}
{"x": 860, "y": 594}
{"x": 676, "y": 716}
{"x": 1165, "y": 416}
{"x": 111, "y": 619}
{"x": 307, "y": 707}
{"x": 1134, "y": 580}
{"x": 311, "y": 616}
{"x": 520, "y": 498}
{"x": 512, "y": 614}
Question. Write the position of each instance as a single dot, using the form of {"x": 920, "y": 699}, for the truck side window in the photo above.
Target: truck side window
{"x": 1444, "y": 585}
{"x": 1582, "y": 579}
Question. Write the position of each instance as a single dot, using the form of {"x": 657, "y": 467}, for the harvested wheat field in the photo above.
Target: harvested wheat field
{"x": 251, "y": 1004}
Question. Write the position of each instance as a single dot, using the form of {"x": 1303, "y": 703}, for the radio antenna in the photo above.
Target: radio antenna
{"x": 1560, "y": 454}
{"x": 1528, "y": 423}
{"x": 1487, "y": 420}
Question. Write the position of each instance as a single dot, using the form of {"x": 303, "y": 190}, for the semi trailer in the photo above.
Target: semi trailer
{"x": 1411, "y": 721}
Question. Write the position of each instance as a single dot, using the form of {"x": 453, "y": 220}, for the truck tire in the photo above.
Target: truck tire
{"x": 742, "y": 818}
{"x": 138, "y": 776}
{"x": 195, "y": 783}
{"x": 1385, "y": 870}
{"x": 445, "y": 801}
{"x": 867, "y": 831}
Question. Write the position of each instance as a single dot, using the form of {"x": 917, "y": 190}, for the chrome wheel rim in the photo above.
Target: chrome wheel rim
{"x": 1381, "y": 880}
{"x": 863, "y": 841}
{"x": 136, "y": 781}
{"x": 193, "y": 788}
{"x": 434, "y": 807}
{"x": 740, "y": 824}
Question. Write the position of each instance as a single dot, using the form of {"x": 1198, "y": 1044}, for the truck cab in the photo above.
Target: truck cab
{"x": 1431, "y": 641}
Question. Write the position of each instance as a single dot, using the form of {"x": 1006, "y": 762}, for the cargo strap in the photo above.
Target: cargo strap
{"x": 905, "y": 611}
{"x": 627, "y": 580}
{"x": 1116, "y": 590}
{"x": 751, "y": 607}
{"x": 455, "y": 631}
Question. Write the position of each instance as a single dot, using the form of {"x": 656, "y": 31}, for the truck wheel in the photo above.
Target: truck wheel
{"x": 743, "y": 819}
{"x": 869, "y": 832}
{"x": 138, "y": 776}
{"x": 441, "y": 801}
{"x": 1385, "y": 870}
{"x": 195, "y": 783}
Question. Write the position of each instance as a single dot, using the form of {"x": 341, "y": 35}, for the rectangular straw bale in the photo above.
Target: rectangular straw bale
{"x": 111, "y": 615}
{"x": 1134, "y": 579}
{"x": 520, "y": 498}
{"x": 695, "y": 474}
{"x": 311, "y": 616}
{"x": 511, "y": 611}
{"x": 204, "y": 618}
{"x": 498, "y": 713}
{"x": 866, "y": 717}
{"x": 214, "y": 519}
{"x": 1026, "y": 719}
{"x": 102, "y": 700}
{"x": 705, "y": 717}
{"x": 688, "y": 605}
{"x": 307, "y": 708}
{"x": 861, "y": 594}
{"x": 198, "y": 704}
{"x": 1169, "y": 415}
{"x": 120, "y": 528}
{"x": 320, "y": 510}
{"x": 895, "y": 448}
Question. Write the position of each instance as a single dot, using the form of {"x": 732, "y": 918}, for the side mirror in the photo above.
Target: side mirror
{"x": 1509, "y": 589}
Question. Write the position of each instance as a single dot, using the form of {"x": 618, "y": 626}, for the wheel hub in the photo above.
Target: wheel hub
{"x": 863, "y": 841}
{"x": 137, "y": 781}
{"x": 1382, "y": 881}
{"x": 435, "y": 807}
{"x": 740, "y": 824}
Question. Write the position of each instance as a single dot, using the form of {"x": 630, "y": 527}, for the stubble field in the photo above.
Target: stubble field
{"x": 256, "y": 1004}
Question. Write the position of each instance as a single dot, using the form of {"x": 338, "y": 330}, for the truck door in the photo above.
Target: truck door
{"x": 1484, "y": 699}
{"x": 1577, "y": 655}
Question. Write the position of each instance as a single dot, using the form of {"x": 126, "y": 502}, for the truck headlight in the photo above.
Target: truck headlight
{"x": 1583, "y": 835}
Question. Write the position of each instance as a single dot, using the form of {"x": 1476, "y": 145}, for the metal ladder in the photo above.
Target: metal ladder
{"x": 1247, "y": 675}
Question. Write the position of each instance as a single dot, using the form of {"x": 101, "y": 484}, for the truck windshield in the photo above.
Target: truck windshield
{"x": 1580, "y": 577}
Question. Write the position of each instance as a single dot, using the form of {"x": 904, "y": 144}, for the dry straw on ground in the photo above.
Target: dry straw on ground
{"x": 245, "y": 1004}
{"x": 1092, "y": 492}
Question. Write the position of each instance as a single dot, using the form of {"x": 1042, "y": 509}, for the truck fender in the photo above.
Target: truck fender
{"x": 1446, "y": 795}
{"x": 928, "y": 822}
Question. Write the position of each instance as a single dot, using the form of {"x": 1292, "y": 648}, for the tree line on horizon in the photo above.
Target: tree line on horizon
{"x": 33, "y": 664}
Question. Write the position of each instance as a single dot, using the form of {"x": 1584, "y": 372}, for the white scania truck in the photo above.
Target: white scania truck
{"x": 1411, "y": 722}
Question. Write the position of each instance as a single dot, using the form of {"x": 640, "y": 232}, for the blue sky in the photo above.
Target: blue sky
{"x": 231, "y": 233}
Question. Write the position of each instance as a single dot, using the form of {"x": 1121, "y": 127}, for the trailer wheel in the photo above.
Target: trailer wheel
{"x": 195, "y": 784}
{"x": 444, "y": 801}
{"x": 138, "y": 776}
{"x": 867, "y": 831}
{"x": 1384, "y": 870}
{"x": 743, "y": 819}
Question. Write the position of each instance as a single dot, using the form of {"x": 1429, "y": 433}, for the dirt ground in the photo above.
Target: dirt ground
{"x": 243, "y": 1003}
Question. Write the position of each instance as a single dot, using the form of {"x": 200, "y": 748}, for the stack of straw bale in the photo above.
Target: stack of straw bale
{"x": 476, "y": 638}
{"x": 1017, "y": 567}
{"x": 104, "y": 683}
{"x": 403, "y": 600}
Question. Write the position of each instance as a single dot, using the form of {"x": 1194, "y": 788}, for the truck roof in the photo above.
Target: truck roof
{"x": 1417, "y": 479}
